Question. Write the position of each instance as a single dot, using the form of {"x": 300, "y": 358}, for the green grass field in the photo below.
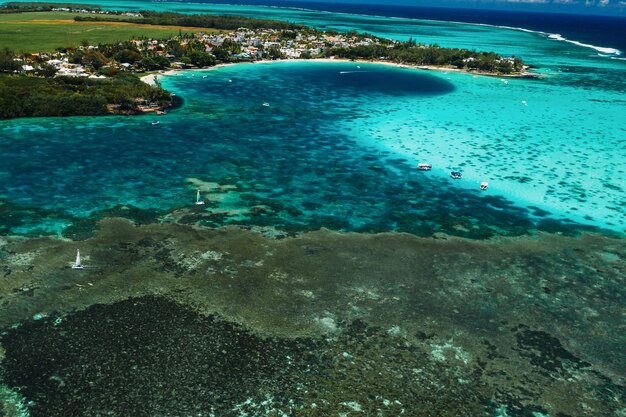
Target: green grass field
{"x": 45, "y": 31}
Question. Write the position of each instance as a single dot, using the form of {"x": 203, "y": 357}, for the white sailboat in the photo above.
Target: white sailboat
{"x": 199, "y": 201}
{"x": 77, "y": 264}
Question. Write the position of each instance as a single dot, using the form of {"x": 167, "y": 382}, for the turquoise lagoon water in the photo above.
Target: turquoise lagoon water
{"x": 339, "y": 144}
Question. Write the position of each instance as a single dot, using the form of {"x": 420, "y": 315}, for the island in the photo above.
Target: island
{"x": 104, "y": 78}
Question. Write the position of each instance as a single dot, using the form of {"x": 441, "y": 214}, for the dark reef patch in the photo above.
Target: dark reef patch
{"x": 545, "y": 351}
{"x": 149, "y": 356}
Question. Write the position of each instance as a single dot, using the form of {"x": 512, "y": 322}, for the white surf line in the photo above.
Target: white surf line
{"x": 553, "y": 36}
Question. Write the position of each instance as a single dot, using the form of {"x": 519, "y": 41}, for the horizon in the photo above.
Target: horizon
{"x": 606, "y": 8}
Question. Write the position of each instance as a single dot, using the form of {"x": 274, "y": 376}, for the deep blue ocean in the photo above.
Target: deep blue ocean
{"x": 604, "y": 31}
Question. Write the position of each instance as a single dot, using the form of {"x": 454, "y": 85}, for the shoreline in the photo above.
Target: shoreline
{"x": 151, "y": 79}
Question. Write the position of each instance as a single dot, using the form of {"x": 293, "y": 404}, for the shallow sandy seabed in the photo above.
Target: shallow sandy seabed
{"x": 331, "y": 322}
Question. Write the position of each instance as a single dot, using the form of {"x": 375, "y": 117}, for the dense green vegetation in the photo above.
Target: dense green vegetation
{"x": 196, "y": 20}
{"x": 29, "y": 96}
{"x": 105, "y": 58}
{"x": 415, "y": 54}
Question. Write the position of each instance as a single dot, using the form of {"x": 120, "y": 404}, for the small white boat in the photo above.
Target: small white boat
{"x": 524, "y": 103}
{"x": 484, "y": 185}
{"x": 230, "y": 81}
{"x": 424, "y": 167}
{"x": 77, "y": 264}
{"x": 155, "y": 123}
{"x": 456, "y": 175}
{"x": 266, "y": 104}
{"x": 199, "y": 201}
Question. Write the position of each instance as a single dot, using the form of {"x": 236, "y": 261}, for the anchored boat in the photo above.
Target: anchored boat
{"x": 199, "y": 201}
{"x": 484, "y": 185}
{"x": 424, "y": 167}
{"x": 77, "y": 264}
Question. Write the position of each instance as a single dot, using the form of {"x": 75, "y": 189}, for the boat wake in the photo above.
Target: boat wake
{"x": 352, "y": 72}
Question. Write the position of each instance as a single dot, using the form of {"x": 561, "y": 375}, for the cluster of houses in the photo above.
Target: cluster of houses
{"x": 252, "y": 45}
{"x": 255, "y": 44}
{"x": 60, "y": 62}
{"x": 89, "y": 11}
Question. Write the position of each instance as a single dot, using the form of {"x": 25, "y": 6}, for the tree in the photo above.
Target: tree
{"x": 7, "y": 61}
{"x": 194, "y": 45}
{"x": 221, "y": 54}
{"x": 152, "y": 63}
{"x": 274, "y": 53}
{"x": 46, "y": 70}
{"x": 288, "y": 34}
{"x": 202, "y": 59}
{"x": 77, "y": 57}
{"x": 173, "y": 47}
{"x": 94, "y": 59}
{"x": 231, "y": 46}
{"x": 127, "y": 56}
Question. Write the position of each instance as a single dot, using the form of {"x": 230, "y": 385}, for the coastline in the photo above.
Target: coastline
{"x": 151, "y": 78}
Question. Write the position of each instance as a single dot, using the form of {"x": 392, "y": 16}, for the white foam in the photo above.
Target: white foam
{"x": 557, "y": 37}
{"x": 612, "y": 51}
